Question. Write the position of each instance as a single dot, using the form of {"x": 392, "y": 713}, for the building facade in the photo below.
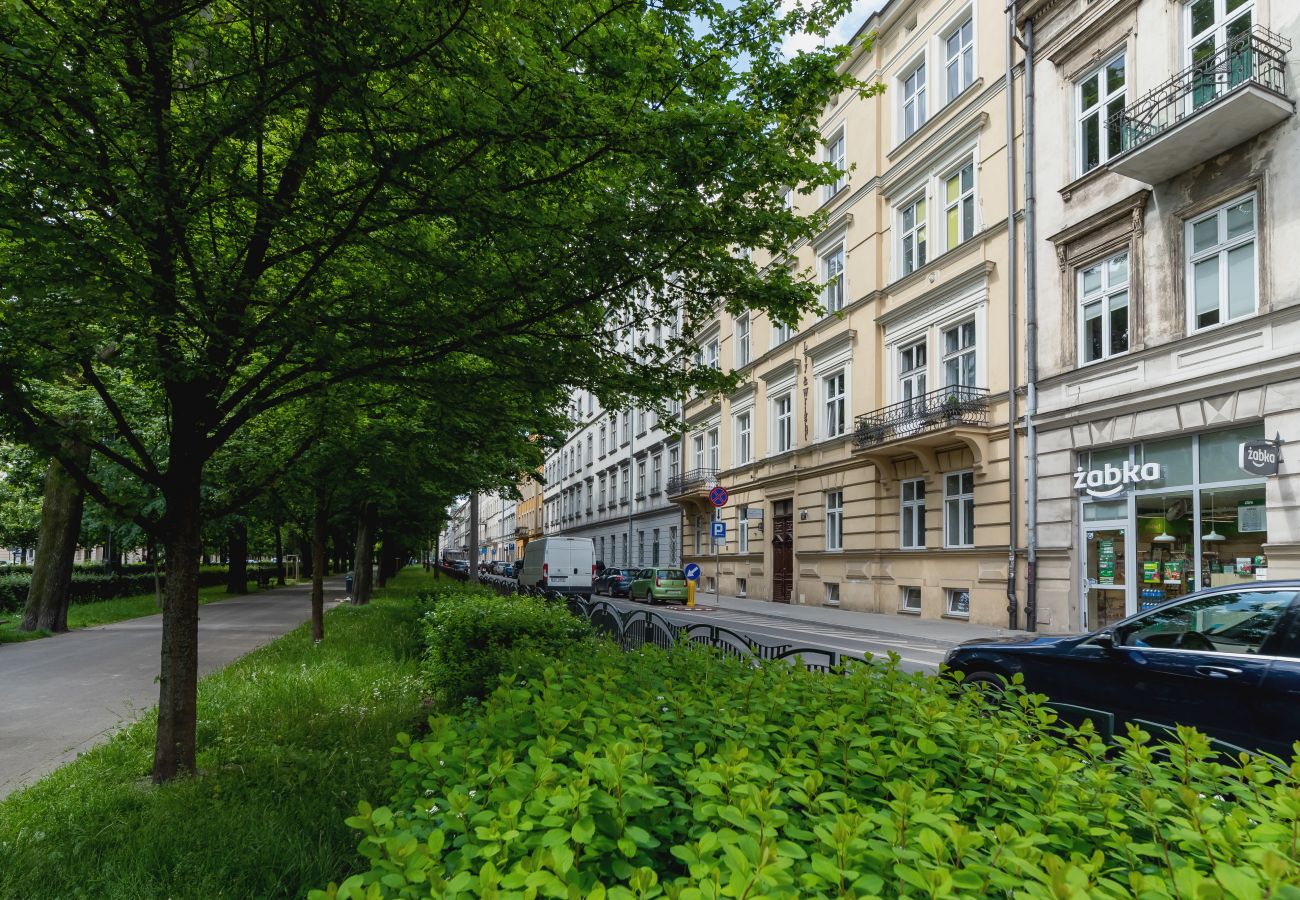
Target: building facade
{"x": 528, "y": 514}
{"x": 868, "y": 455}
{"x": 1168, "y": 298}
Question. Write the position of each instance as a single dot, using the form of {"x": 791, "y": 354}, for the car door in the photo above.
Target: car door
{"x": 1198, "y": 662}
{"x": 1280, "y": 697}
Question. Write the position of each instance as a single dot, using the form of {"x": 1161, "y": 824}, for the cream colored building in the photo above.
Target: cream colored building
{"x": 867, "y": 454}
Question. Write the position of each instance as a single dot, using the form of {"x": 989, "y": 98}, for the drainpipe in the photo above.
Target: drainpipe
{"x": 1031, "y": 345}
{"x": 1013, "y": 461}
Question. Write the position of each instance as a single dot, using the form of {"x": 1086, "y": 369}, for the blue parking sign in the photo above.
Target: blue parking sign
{"x": 692, "y": 572}
{"x": 718, "y": 530}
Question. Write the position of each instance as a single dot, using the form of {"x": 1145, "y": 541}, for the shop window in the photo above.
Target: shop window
{"x": 958, "y": 602}
{"x": 1219, "y": 452}
{"x": 1174, "y": 457}
{"x": 910, "y": 600}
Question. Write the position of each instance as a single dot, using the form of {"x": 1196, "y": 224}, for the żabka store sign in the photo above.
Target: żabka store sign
{"x": 1111, "y": 479}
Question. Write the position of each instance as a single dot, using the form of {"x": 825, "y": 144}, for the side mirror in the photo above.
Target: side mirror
{"x": 1105, "y": 640}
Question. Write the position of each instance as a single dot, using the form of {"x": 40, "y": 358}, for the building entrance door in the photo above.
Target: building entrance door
{"x": 1106, "y": 576}
{"x": 782, "y": 551}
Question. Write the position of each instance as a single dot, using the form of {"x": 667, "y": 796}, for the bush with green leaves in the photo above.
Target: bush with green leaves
{"x": 683, "y": 774}
{"x": 92, "y": 584}
{"x": 474, "y": 635}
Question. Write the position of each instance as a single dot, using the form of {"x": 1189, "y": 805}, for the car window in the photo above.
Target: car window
{"x": 1239, "y": 622}
{"x": 673, "y": 574}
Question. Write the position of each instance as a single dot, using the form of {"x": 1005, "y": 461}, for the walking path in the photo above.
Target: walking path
{"x": 61, "y": 695}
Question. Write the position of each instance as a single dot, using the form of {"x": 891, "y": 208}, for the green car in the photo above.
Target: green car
{"x": 658, "y": 585}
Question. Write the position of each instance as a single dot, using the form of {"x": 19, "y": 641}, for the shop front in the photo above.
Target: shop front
{"x": 1160, "y": 519}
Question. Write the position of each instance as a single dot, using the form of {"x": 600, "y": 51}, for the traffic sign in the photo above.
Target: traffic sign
{"x": 718, "y": 496}
{"x": 692, "y": 572}
{"x": 718, "y": 530}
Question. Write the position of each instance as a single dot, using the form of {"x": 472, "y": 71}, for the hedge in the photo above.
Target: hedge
{"x": 685, "y": 774}
{"x": 94, "y": 584}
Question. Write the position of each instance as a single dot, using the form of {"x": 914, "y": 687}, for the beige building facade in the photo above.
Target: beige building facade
{"x": 868, "y": 455}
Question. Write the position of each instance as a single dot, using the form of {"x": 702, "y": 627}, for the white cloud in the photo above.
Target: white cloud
{"x": 843, "y": 31}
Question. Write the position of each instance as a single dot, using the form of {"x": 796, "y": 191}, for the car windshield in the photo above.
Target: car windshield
{"x": 672, "y": 574}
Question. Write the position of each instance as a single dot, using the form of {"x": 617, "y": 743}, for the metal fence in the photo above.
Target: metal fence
{"x": 941, "y": 408}
{"x": 693, "y": 479}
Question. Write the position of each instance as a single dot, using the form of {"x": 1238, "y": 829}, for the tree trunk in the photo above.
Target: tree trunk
{"x": 361, "y": 571}
{"x": 305, "y": 553}
{"x": 385, "y": 550}
{"x": 51, "y": 584}
{"x": 174, "y": 752}
{"x": 279, "y": 556}
{"x": 319, "y": 533}
{"x": 237, "y": 575}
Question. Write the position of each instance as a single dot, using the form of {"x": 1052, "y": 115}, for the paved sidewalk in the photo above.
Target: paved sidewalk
{"x": 942, "y": 632}
{"x": 66, "y": 693}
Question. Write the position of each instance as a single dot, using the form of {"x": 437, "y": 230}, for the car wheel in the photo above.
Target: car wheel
{"x": 990, "y": 684}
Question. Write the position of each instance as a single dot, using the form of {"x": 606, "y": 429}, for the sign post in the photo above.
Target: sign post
{"x": 692, "y": 573}
{"x": 718, "y": 531}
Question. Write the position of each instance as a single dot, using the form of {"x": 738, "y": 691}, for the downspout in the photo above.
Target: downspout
{"x": 1013, "y": 338}
{"x": 1031, "y": 346}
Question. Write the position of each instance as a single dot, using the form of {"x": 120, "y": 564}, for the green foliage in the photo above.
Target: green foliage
{"x": 93, "y": 586}
{"x": 475, "y": 636}
{"x": 292, "y": 736}
{"x": 683, "y": 774}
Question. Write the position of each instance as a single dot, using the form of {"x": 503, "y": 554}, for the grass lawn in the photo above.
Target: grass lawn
{"x": 88, "y": 615}
{"x": 290, "y": 738}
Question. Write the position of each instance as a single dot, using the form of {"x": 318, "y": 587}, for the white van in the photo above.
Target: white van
{"x": 563, "y": 564}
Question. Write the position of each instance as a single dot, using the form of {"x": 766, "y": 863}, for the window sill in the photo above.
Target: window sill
{"x": 940, "y": 115}
{"x": 1082, "y": 181}
{"x": 961, "y": 617}
{"x": 909, "y": 612}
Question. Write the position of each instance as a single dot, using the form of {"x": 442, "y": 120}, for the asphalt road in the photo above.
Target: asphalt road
{"x": 915, "y": 655}
{"x": 61, "y": 695}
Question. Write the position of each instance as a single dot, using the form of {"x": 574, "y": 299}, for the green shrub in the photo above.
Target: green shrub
{"x": 94, "y": 583}
{"x": 684, "y": 774}
{"x": 474, "y": 636}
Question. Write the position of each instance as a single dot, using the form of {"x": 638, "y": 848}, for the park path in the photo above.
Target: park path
{"x": 61, "y": 695}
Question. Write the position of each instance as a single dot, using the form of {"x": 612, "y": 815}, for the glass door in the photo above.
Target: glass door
{"x": 1107, "y": 575}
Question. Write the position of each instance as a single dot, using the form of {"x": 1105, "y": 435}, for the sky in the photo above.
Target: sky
{"x": 843, "y": 31}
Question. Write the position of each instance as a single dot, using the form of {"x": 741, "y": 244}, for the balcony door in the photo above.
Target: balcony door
{"x": 1218, "y": 46}
{"x": 912, "y": 367}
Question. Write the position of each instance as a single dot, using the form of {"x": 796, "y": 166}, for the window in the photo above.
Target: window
{"x": 742, "y": 341}
{"x": 709, "y": 354}
{"x": 834, "y": 520}
{"x": 958, "y": 602}
{"x": 912, "y": 514}
{"x": 601, "y": 494}
{"x": 1103, "y": 309}
{"x": 959, "y": 509}
{"x": 780, "y": 333}
{"x": 910, "y": 600}
{"x": 672, "y": 463}
{"x": 590, "y": 490}
{"x": 741, "y": 585}
{"x": 959, "y": 355}
{"x": 640, "y": 478}
{"x": 627, "y": 426}
{"x": 913, "y": 232}
{"x": 959, "y": 58}
{"x": 603, "y": 442}
{"x": 1239, "y": 622}
{"x": 783, "y": 422}
{"x": 698, "y": 443}
{"x": 613, "y": 488}
{"x": 742, "y": 530}
{"x": 627, "y": 483}
{"x": 654, "y": 548}
{"x": 656, "y": 473}
{"x": 914, "y": 100}
{"x": 715, "y": 459}
{"x": 1221, "y": 264}
{"x": 640, "y": 421}
{"x": 833, "y": 279}
{"x": 959, "y": 205}
{"x": 1217, "y": 32}
{"x": 591, "y": 444}
{"x": 744, "y": 437}
{"x": 835, "y": 403}
{"x": 912, "y": 371}
{"x": 1100, "y": 101}
{"x": 640, "y": 548}
{"x": 672, "y": 543}
{"x": 832, "y": 594}
{"x": 835, "y": 157}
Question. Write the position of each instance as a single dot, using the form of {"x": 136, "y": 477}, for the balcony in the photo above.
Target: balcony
{"x": 1211, "y": 106}
{"x": 694, "y": 483}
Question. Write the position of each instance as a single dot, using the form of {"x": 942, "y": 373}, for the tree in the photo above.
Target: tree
{"x": 49, "y": 593}
{"x": 214, "y": 209}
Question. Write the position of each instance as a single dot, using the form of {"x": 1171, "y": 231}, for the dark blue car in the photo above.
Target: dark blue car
{"x": 614, "y": 581}
{"x": 1225, "y": 660}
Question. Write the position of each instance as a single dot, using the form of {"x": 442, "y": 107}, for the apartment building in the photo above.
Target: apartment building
{"x": 608, "y": 482}
{"x": 868, "y": 454}
{"x": 1168, "y": 298}
{"x": 528, "y": 514}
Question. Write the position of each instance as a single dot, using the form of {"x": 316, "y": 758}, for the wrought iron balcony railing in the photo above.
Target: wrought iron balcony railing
{"x": 692, "y": 480}
{"x": 1255, "y": 57}
{"x": 932, "y": 411}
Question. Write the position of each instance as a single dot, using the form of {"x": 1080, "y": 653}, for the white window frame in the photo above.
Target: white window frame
{"x": 1107, "y": 293}
{"x": 834, "y": 520}
{"x": 640, "y": 479}
{"x": 697, "y": 447}
{"x": 915, "y": 538}
{"x": 960, "y": 504}
{"x": 833, "y": 154}
{"x": 910, "y": 121}
{"x": 781, "y": 333}
{"x": 835, "y": 406}
{"x": 657, "y": 471}
{"x": 713, "y": 444}
{"x": 783, "y": 423}
{"x": 1221, "y": 250}
{"x": 832, "y": 593}
{"x": 906, "y": 593}
{"x": 742, "y": 530}
{"x": 952, "y": 605}
{"x": 962, "y": 61}
{"x": 915, "y": 258}
{"x": 918, "y": 376}
{"x": 744, "y": 428}
{"x": 832, "y": 266}
{"x": 971, "y": 350}
{"x": 1109, "y": 101}
{"x": 604, "y": 441}
{"x": 962, "y": 205}
{"x": 744, "y": 348}
{"x": 591, "y": 449}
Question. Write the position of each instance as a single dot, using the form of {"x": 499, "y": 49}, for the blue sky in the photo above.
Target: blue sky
{"x": 843, "y": 31}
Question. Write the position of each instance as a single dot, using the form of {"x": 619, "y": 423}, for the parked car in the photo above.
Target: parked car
{"x": 1225, "y": 660}
{"x": 563, "y": 564}
{"x": 614, "y": 581}
{"x": 460, "y": 565}
{"x": 501, "y": 567}
{"x": 658, "y": 585}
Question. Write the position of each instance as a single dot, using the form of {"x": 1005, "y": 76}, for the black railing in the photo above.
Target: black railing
{"x": 693, "y": 480}
{"x": 928, "y": 412}
{"x": 1257, "y": 57}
